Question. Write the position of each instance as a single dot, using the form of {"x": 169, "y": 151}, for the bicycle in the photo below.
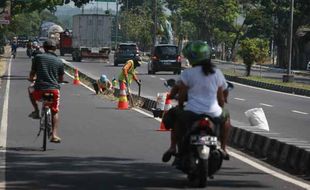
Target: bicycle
{"x": 46, "y": 116}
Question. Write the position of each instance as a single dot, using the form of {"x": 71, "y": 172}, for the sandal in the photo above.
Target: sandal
{"x": 55, "y": 140}
{"x": 167, "y": 155}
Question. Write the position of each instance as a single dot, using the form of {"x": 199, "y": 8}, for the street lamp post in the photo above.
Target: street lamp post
{"x": 289, "y": 77}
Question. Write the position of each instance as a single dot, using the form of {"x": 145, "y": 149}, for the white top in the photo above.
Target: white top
{"x": 202, "y": 92}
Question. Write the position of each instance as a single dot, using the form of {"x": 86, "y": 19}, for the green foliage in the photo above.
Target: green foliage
{"x": 28, "y": 23}
{"x": 253, "y": 50}
{"x": 136, "y": 24}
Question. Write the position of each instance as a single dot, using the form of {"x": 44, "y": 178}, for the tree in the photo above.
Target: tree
{"x": 253, "y": 50}
{"x": 136, "y": 24}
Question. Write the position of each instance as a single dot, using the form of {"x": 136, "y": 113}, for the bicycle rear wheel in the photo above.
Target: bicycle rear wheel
{"x": 44, "y": 128}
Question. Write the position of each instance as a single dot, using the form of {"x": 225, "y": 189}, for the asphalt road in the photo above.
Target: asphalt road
{"x": 287, "y": 114}
{"x": 102, "y": 147}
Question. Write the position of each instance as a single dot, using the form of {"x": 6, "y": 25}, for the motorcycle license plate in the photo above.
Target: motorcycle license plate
{"x": 203, "y": 140}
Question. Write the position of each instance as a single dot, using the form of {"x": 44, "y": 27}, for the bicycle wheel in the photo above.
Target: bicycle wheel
{"x": 44, "y": 123}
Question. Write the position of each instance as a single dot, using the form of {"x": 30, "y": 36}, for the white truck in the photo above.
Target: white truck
{"x": 91, "y": 36}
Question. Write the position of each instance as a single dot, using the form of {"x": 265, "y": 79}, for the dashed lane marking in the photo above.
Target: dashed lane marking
{"x": 267, "y": 105}
{"x": 152, "y": 76}
{"x": 240, "y": 99}
{"x": 162, "y": 79}
{"x": 300, "y": 112}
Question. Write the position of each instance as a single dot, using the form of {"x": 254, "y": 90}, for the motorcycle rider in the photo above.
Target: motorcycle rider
{"x": 202, "y": 86}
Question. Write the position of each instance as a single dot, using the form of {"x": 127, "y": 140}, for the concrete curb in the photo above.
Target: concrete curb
{"x": 288, "y": 154}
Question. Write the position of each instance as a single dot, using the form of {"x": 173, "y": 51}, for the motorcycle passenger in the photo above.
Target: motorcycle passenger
{"x": 47, "y": 71}
{"x": 36, "y": 50}
{"x": 202, "y": 86}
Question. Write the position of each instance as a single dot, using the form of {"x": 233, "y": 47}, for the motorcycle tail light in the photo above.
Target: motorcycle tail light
{"x": 204, "y": 123}
{"x": 179, "y": 58}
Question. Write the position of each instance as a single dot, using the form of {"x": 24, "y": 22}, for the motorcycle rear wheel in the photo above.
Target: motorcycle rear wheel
{"x": 199, "y": 179}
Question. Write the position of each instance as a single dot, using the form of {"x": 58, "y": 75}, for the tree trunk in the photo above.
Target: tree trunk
{"x": 248, "y": 69}
{"x": 236, "y": 41}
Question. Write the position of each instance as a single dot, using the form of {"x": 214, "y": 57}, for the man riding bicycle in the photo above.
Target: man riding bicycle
{"x": 47, "y": 71}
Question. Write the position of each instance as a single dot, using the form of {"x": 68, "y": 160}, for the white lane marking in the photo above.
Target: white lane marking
{"x": 263, "y": 104}
{"x": 147, "y": 114}
{"x": 162, "y": 79}
{"x": 300, "y": 96}
{"x": 89, "y": 88}
{"x": 269, "y": 171}
{"x": 300, "y": 112}
{"x": 240, "y": 99}
{"x": 4, "y": 126}
{"x": 152, "y": 76}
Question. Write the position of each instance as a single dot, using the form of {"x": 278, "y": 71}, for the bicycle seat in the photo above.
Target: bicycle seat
{"x": 48, "y": 96}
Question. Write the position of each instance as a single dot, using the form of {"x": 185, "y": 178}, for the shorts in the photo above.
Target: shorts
{"x": 37, "y": 95}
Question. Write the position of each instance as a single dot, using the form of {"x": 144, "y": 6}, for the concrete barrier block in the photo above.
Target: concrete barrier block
{"x": 251, "y": 142}
{"x": 245, "y": 135}
{"x": 267, "y": 146}
{"x": 236, "y": 137}
{"x": 304, "y": 162}
{"x": 259, "y": 143}
{"x": 274, "y": 151}
{"x": 294, "y": 159}
{"x": 284, "y": 156}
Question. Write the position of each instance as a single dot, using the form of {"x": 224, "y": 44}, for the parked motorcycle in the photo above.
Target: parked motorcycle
{"x": 201, "y": 156}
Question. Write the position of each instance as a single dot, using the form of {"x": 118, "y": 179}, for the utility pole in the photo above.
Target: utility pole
{"x": 289, "y": 77}
{"x": 155, "y": 22}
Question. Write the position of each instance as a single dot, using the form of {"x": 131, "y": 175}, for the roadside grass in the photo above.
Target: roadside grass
{"x": 268, "y": 80}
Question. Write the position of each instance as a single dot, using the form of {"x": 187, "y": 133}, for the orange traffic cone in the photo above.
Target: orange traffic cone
{"x": 167, "y": 107}
{"x": 76, "y": 80}
{"x": 122, "y": 101}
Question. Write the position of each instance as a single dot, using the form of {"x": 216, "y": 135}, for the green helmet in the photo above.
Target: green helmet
{"x": 196, "y": 52}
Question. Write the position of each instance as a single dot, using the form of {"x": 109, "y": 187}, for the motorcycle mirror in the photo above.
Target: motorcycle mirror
{"x": 230, "y": 85}
{"x": 170, "y": 83}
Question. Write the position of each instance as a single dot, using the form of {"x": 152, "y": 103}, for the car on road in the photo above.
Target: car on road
{"x": 125, "y": 52}
{"x": 308, "y": 66}
{"x": 165, "y": 57}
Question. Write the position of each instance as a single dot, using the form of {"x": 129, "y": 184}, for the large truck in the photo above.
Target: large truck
{"x": 91, "y": 36}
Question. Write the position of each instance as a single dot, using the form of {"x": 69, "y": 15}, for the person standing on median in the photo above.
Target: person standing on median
{"x": 47, "y": 71}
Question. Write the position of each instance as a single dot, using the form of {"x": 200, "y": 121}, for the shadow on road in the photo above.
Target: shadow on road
{"x": 26, "y": 170}
{"x": 14, "y": 77}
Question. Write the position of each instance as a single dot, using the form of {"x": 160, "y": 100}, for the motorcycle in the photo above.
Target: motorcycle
{"x": 201, "y": 156}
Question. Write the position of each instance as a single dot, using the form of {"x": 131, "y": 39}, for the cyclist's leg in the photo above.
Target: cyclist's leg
{"x": 55, "y": 116}
{"x": 33, "y": 96}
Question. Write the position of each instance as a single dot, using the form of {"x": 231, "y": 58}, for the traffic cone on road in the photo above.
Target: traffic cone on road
{"x": 122, "y": 101}
{"x": 76, "y": 80}
{"x": 168, "y": 105}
